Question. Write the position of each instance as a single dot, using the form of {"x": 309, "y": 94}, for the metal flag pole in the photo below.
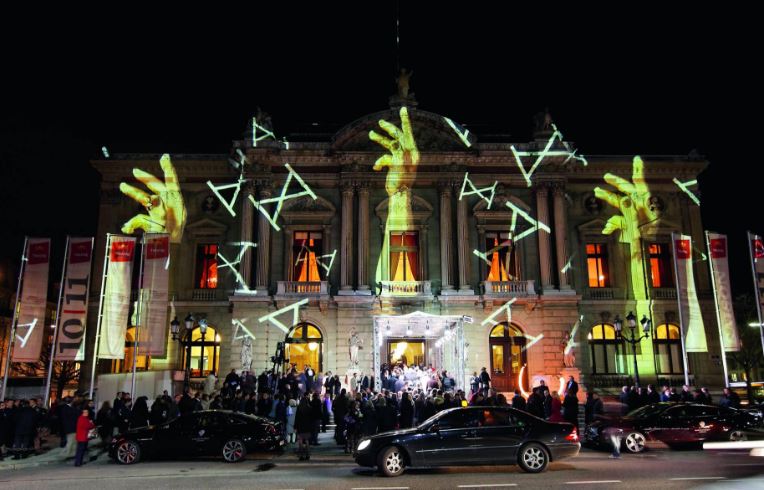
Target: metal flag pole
{"x": 751, "y": 246}
{"x": 100, "y": 314}
{"x": 56, "y": 326}
{"x": 716, "y": 309}
{"x": 11, "y": 340}
{"x": 679, "y": 309}
{"x": 138, "y": 317}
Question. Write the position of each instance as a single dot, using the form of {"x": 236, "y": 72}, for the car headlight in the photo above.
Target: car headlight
{"x": 364, "y": 444}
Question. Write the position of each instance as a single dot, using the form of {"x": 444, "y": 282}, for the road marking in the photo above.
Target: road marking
{"x": 698, "y": 478}
{"x": 488, "y": 485}
{"x": 380, "y": 488}
{"x": 591, "y": 482}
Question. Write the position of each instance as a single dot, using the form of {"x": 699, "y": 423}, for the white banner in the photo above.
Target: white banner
{"x": 116, "y": 300}
{"x": 720, "y": 272}
{"x": 756, "y": 249}
{"x": 154, "y": 301}
{"x": 30, "y": 324}
{"x": 74, "y": 308}
{"x": 692, "y": 320}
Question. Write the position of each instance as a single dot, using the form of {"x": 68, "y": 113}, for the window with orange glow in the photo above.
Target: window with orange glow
{"x": 206, "y": 266}
{"x": 501, "y": 252}
{"x": 305, "y": 247}
{"x": 596, "y": 265}
{"x": 404, "y": 256}
{"x": 660, "y": 265}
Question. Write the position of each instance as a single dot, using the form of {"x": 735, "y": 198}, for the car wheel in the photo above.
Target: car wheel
{"x": 391, "y": 461}
{"x": 234, "y": 451}
{"x": 128, "y": 452}
{"x": 738, "y": 435}
{"x": 635, "y": 442}
{"x": 533, "y": 458}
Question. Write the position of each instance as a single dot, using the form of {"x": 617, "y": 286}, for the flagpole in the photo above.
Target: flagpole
{"x": 6, "y": 369}
{"x": 679, "y": 308}
{"x": 716, "y": 309}
{"x": 138, "y": 316}
{"x": 56, "y": 326}
{"x": 751, "y": 246}
{"x": 100, "y": 315}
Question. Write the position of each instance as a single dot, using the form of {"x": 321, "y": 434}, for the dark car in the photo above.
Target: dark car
{"x": 207, "y": 433}
{"x": 675, "y": 424}
{"x": 471, "y": 436}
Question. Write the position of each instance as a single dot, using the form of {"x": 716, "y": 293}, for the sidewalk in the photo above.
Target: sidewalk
{"x": 51, "y": 455}
{"x": 326, "y": 452}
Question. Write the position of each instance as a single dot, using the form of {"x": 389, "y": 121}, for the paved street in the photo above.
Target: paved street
{"x": 330, "y": 469}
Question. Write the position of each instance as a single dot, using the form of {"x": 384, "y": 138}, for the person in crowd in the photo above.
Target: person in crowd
{"x": 707, "y": 395}
{"x": 186, "y": 403}
{"x": 84, "y": 425}
{"x": 407, "y": 411}
{"x": 485, "y": 381}
{"x": 316, "y": 414}
{"x": 326, "y": 410}
{"x": 291, "y": 413}
{"x": 303, "y": 425}
{"x": 264, "y": 404}
{"x": 570, "y": 408}
{"x": 624, "y": 399}
{"x": 217, "y": 403}
{"x": 474, "y": 383}
{"x": 547, "y": 404}
{"x": 686, "y": 394}
{"x": 385, "y": 415}
{"x": 369, "y": 418}
{"x": 665, "y": 394}
{"x": 105, "y": 422}
{"x": 729, "y": 399}
{"x": 353, "y": 420}
{"x": 69, "y": 416}
{"x": 232, "y": 381}
{"x": 652, "y": 395}
{"x": 593, "y": 407}
{"x": 571, "y": 386}
{"x": 139, "y": 415}
{"x": 6, "y": 428}
{"x": 535, "y": 404}
{"x": 555, "y": 408}
{"x": 518, "y": 401}
{"x": 25, "y": 421}
{"x": 339, "y": 407}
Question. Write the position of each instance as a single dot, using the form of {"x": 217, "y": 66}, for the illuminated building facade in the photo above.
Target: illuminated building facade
{"x": 395, "y": 259}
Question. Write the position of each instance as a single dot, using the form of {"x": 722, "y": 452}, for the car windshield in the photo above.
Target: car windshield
{"x": 647, "y": 411}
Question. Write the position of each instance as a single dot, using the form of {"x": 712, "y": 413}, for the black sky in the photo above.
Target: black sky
{"x": 146, "y": 81}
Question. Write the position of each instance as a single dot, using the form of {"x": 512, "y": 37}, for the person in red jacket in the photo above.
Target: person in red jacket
{"x": 556, "y": 415}
{"x": 84, "y": 424}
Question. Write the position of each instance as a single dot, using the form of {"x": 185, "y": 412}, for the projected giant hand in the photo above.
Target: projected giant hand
{"x": 166, "y": 210}
{"x": 403, "y": 156}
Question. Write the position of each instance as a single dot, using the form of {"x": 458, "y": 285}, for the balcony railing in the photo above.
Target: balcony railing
{"x": 600, "y": 293}
{"x": 510, "y": 288}
{"x": 406, "y": 288}
{"x": 664, "y": 293}
{"x": 296, "y": 288}
{"x": 204, "y": 294}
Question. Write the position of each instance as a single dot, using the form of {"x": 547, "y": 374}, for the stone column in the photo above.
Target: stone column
{"x": 560, "y": 234}
{"x": 542, "y": 214}
{"x": 446, "y": 240}
{"x": 363, "y": 237}
{"x": 288, "y": 257}
{"x": 346, "y": 245}
{"x": 463, "y": 244}
{"x": 247, "y": 211}
{"x": 263, "y": 245}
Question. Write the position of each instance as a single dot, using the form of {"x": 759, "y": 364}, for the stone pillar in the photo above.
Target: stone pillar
{"x": 363, "y": 237}
{"x": 247, "y": 211}
{"x": 560, "y": 234}
{"x": 288, "y": 257}
{"x": 446, "y": 240}
{"x": 346, "y": 245}
{"x": 542, "y": 214}
{"x": 263, "y": 245}
{"x": 463, "y": 245}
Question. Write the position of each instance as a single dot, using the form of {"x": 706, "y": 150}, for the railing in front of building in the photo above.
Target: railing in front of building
{"x": 510, "y": 288}
{"x": 406, "y": 288}
{"x": 664, "y": 293}
{"x": 302, "y": 288}
{"x": 600, "y": 293}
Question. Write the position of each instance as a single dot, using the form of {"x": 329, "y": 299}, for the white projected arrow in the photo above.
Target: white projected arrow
{"x": 231, "y": 264}
{"x": 546, "y": 152}
{"x": 266, "y": 133}
{"x": 684, "y": 186}
{"x": 295, "y": 307}
{"x": 463, "y": 135}
{"x": 516, "y": 211}
{"x": 477, "y": 191}
{"x": 240, "y": 325}
{"x": 29, "y": 332}
{"x": 504, "y": 307}
{"x": 283, "y": 197}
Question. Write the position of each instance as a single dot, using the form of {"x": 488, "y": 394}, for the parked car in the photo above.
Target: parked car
{"x": 471, "y": 436}
{"x": 207, "y": 433}
{"x": 675, "y": 424}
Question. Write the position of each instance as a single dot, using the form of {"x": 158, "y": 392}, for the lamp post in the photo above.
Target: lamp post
{"x": 631, "y": 322}
{"x": 184, "y": 339}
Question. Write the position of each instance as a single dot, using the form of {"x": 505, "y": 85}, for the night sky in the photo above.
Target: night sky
{"x": 656, "y": 83}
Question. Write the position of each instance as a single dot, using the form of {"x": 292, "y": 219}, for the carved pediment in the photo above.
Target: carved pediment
{"x": 206, "y": 227}
{"x": 421, "y": 210}
{"x": 305, "y": 209}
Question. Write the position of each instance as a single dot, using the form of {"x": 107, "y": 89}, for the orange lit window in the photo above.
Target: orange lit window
{"x": 305, "y": 248}
{"x": 206, "y": 266}
{"x": 660, "y": 265}
{"x": 404, "y": 256}
{"x": 596, "y": 265}
{"x": 501, "y": 252}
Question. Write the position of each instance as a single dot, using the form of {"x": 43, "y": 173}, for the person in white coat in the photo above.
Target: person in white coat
{"x": 291, "y": 411}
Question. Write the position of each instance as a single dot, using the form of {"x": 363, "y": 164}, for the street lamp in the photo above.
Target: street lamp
{"x": 185, "y": 339}
{"x": 631, "y": 322}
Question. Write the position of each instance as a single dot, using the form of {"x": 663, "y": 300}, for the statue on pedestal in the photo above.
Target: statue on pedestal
{"x": 246, "y": 354}
{"x": 355, "y": 342}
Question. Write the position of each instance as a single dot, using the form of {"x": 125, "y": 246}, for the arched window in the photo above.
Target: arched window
{"x": 304, "y": 347}
{"x": 126, "y": 365}
{"x": 508, "y": 356}
{"x": 202, "y": 352}
{"x": 668, "y": 349}
{"x": 605, "y": 347}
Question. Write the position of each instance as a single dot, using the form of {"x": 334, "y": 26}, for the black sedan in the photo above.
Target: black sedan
{"x": 471, "y": 436}
{"x": 208, "y": 433}
{"x": 675, "y": 424}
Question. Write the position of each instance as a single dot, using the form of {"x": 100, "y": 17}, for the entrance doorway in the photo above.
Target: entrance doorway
{"x": 406, "y": 351}
{"x": 508, "y": 356}
{"x": 304, "y": 347}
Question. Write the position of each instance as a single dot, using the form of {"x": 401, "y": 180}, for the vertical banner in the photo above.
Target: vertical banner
{"x": 154, "y": 296}
{"x": 720, "y": 274}
{"x": 756, "y": 249}
{"x": 30, "y": 325}
{"x": 70, "y": 345}
{"x": 116, "y": 297}
{"x": 691, "y": 318}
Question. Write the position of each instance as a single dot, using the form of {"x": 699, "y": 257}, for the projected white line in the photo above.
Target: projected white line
{"x": 489, "y": 485}
{"x": 591, "y": 482}
{"x": 698, "y": 478}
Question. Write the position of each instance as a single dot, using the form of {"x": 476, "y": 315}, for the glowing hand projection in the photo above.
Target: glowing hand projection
{"x": 166, "y": 210}
{"x": 634, "y": 204}
{"x": 403, "y": 156}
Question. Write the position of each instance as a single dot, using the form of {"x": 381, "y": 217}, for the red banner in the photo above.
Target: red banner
{"x": 692, "y": 319}
{"x": 720, "y": 272}
{"x": 70, "y": 345}
{"x": 30, "y": 324}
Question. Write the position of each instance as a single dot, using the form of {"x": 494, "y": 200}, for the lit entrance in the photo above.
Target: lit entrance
{"x": 304, "y": 346}
{"x": 410, "y": 352}
{"x": 508, "y": 356}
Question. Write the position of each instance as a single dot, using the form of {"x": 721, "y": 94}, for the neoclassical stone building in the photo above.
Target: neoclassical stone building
{"x": 432, "y": 288}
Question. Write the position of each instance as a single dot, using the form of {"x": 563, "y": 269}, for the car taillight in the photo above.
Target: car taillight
{"x": 573, "y": 436}
{"x": 271, "y": 429}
